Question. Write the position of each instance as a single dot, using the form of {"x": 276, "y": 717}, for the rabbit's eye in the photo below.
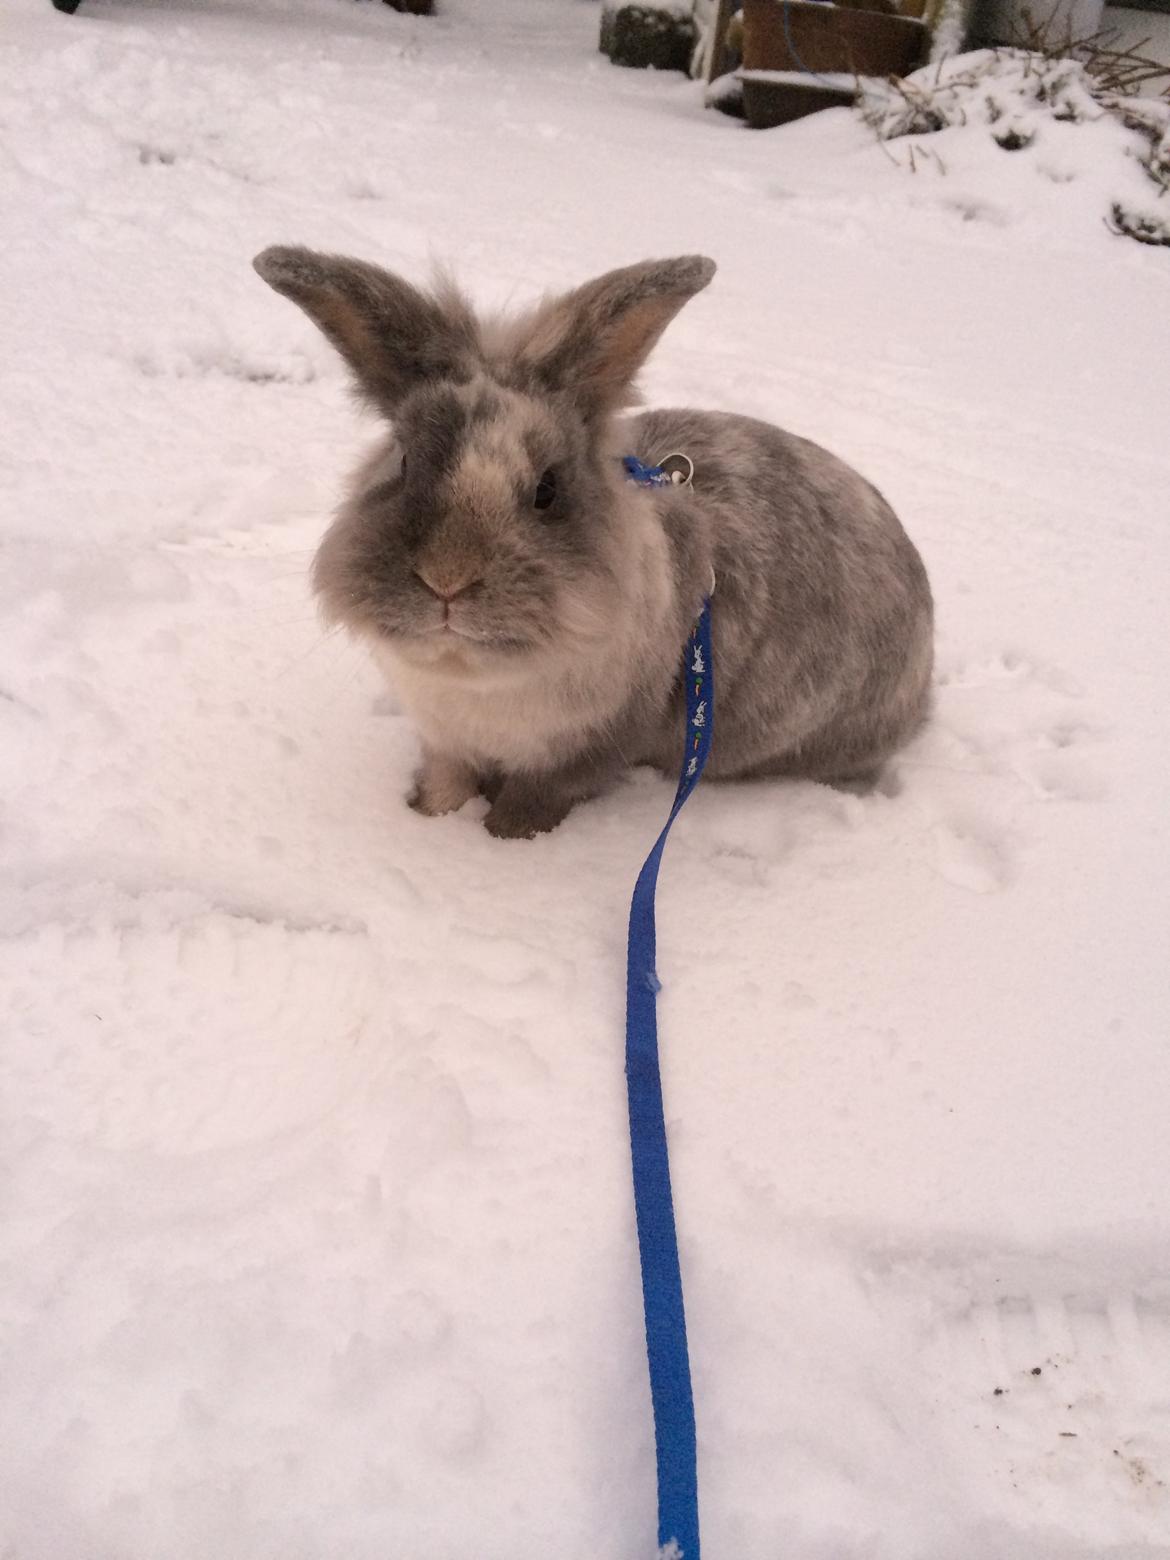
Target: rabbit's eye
{"x": 546, "y": 490}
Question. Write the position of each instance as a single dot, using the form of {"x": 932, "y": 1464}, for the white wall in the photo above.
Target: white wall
{"x": 1135, "y": 26}
{"x": 997, "y": 21}
{"x": 1002, "y": 21}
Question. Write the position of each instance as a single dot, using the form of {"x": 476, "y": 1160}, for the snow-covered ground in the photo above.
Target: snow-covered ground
{"x": 317, "y": 1232}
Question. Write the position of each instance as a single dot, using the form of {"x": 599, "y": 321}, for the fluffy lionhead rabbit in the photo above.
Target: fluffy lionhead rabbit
{"x": 531, "y": 605}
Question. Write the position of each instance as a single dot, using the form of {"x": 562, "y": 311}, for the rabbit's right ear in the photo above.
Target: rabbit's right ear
{"x": 393, "y": 337}
{"x": 592, "y": 342}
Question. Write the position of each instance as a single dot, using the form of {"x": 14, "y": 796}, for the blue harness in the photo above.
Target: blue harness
{"x": 662, "y": 1294}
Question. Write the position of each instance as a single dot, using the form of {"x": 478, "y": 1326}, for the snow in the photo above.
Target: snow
{"x": 839, "y": 80}
{"x": 317, "y": 1235}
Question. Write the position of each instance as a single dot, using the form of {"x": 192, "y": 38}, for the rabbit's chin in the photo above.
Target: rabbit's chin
{"x": 449, "y": 652}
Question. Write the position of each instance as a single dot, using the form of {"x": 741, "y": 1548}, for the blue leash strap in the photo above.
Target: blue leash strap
{"x": 662, "y": 1294}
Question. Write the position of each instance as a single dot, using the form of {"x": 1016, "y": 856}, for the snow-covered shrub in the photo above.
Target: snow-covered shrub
{"x": 995, "y": 87}
{"x": 1016, "y": 97}
{"x": 644, "y": 33}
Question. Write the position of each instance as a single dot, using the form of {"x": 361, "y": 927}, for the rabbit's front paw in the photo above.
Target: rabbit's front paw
{"x": 520, "y": 812}
{"x": 442, "y": 785}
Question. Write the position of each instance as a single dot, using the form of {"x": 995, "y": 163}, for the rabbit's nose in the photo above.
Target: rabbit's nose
{"x": 445, "y": 588}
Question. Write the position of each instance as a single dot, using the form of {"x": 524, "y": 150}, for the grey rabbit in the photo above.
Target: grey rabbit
{"x": 531, "y": 605}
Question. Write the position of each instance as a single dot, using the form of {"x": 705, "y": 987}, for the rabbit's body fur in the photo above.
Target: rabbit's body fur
{"x": 821, "y": 617}
{"x": 555, "y": 659}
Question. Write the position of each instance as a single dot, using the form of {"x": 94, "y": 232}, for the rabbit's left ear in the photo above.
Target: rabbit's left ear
{"x": 393, "y": 337}
{"x": 593, "y": 341}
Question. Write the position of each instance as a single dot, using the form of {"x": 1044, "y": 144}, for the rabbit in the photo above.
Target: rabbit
{"x": 531, "y": 605}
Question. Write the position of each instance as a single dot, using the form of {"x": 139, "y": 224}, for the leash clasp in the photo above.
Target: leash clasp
{"x": 678, "y": 468}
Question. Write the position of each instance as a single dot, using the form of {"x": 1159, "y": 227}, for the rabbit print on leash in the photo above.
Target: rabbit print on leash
{"x": 531, "y": 605}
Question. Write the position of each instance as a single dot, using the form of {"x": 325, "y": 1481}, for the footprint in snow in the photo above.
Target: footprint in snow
{"x": 1076, "y": 1384}
{"x": 1008, "y": 665}
{"x": 1049, "y": 1389}
{"x": 972, "y": 856}
{"x": 156, "y": 156}
{"x": 1012, "y": 715}
{"x": 1057, "y": 768}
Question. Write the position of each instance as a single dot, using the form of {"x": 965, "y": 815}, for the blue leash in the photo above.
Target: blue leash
{"x": 662, "y": 1294}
